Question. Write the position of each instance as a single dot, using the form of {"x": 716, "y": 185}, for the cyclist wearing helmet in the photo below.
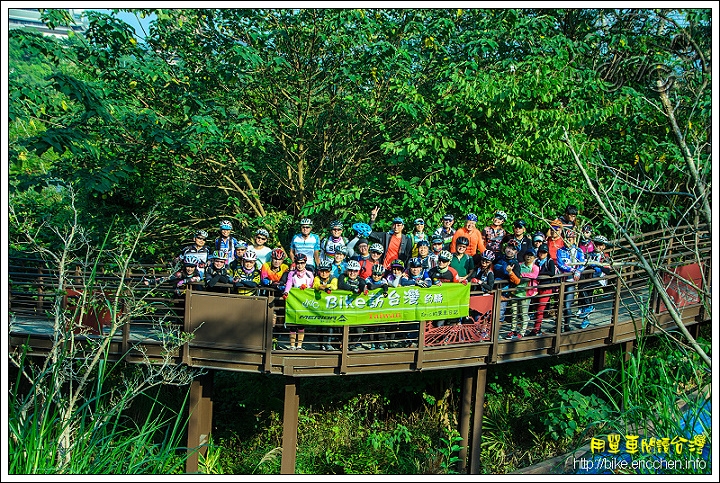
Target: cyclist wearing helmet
{"x": 446, "y": 230}
{"x": 324, "y": 279}
{"x": 397, "y": 269}
{"x": 364, "y": 258}
{"x": 474, "y": 236}
{"x": 299, "y": 276}
{"x": 217, "y": 272}
{"x": 443, "y": 273}
{"x": 436, "y": 246}
{"x": 307, "y": 243}
{"x": 396, "y": 246}
{"x": 461, "y": 261}
{"x": 485, "y": 276}
{"x": 240, "y": 249}
{"x": 272, "y": 272}
{"x": 374, "y": 255}
{"x": 326, "y": 282}
{"x": 494, "y": 233}
{"x": 507, "y": 269}
{"x": 525, "y": 290}
{"x": 334, "y": 240}
{"x": 189, "y": 274}
{"x": 248, "y": 275}
{"x": 261, "y": 249}
{"x": 546, "y": 275}
{"x": 423, "y": 247}
{"x": 377, "y": 279}
{"x": 538, "y": 239}
{"x": 418, "y": 234}
{"x": 196, "y": 253}
{"x": 225, "y": 244}
{"x": 350, "y": 280}
{"x": 570, "y": 261}
{"x": 524, "y": 242}
{"x": 339, "y": 264}
{"x": 417, "y": 275}
{"x": 600, "y": 262}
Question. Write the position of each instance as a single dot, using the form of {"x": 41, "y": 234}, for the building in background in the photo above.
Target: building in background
{"x": 30, "y": 18}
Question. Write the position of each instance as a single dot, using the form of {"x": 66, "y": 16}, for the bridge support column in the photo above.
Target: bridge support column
{"x": 599, "y": 359}
{"x": 290, "y": 427}
{"x": 465, "y": 411}
{"x": 480, "y": 380}
{"x": 200, "y": 423}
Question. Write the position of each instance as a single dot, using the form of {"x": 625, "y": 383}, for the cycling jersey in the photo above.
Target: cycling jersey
{"x": 354, "y": 285}
{"x": 307, "y": 246}
{"x": 226, "y": 248}
{"x": 329, "y": 245}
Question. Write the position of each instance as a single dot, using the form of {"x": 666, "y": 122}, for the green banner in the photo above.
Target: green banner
{"x": 402, "y": 304}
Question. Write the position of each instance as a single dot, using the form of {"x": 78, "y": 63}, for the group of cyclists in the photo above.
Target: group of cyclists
{"x": 512, "y": 260}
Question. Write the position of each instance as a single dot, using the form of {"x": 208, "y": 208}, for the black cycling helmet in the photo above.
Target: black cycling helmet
{"x": 462, "y": 241}
{"x": 378, "y": 269}
{"x": 571, "y": 210}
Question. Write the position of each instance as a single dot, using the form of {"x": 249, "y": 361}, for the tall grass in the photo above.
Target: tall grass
{"x": 661, "y": 391}
{"x": 105, "y": 440}
{"x": 68, "y": 409}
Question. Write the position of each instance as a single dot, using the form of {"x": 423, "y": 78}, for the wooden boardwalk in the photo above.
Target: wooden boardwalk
{"x": 248, "y": 333}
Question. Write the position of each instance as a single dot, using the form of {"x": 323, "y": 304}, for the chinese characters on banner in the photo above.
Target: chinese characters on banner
{"x": 403, "y": 304}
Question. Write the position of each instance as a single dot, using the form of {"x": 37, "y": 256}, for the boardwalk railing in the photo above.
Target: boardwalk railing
{"x": 249, "y": 333}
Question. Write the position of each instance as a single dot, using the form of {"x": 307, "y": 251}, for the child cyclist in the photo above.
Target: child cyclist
{"x": 339, "y": 265}
{"x": 416, "y": 276}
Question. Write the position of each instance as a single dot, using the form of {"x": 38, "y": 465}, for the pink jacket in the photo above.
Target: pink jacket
{"x": 297, "y": 280}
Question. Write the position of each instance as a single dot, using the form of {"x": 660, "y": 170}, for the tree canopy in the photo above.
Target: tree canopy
{"x": 266, "y": 115}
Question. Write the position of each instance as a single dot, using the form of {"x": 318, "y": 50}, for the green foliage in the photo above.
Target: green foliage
{"x": 460, "y": 115}
{"x": 575, "y": 414}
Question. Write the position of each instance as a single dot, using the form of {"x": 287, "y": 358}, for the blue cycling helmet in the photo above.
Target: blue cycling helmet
{"x": 225, "y": 225}
{"x": 362, "y": 229}
{"x": 471, "y": 217}
{"x": 414, "y": 263}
